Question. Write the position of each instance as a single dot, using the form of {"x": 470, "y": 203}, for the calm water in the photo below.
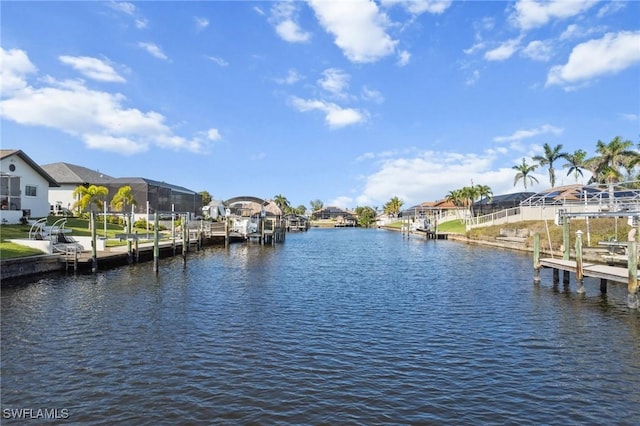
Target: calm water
{"x": 344, "y": 326}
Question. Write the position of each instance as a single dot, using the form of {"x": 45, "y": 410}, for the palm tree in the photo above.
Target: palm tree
{"x": 614, "y": 156}
{"x": 524, "y": 171}
{"x": 393, "y": 206}
{"x": 575, "y": 163}
{"x": 89, "y": 195}
{"x": 282, "y": 202}
{"x": 469, "y": 194}
{"x": 316, "y": 205}
{"x": 484, "y": 192}
{"x": 123, "y": 199}
{"x": 550, "y": 155}
{"x": 455, "y": 196}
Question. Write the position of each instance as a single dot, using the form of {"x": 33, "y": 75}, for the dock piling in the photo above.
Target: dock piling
{"x": 579, "y": 271}
{"x": 536, "y": 258}
{"x": 156, "y": 243}
{"x": 94, "y": 247}
{"x": 632, "y": 298}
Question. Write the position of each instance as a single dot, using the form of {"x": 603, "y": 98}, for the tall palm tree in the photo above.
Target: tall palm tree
{"x": 575, "y": 163}
{"x": 617, "y": 154}
{"x": 87, "y": 195}
{"x": 484, "y": 192}
{"x": 455, "y": 196}
{"x": 524, "y": 173}
{"x": 550, "y": 155}
{"x": 393, "y": 206}
{"x": 282, "y": 202}
{"x": 123, "y": 199}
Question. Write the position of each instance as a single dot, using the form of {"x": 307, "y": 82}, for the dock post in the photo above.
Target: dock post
{"x": 137, "y": 246}
{"x": 579, "y": 271}
{"x": 603, "y": 285}
{"x": 185, "y": 238}
{"x": 632, "y": 298}
{"x": 226, "y": 232}
{"x": 536, "y": 258}
{"x": 129, "y": 245}
{"x": 567, "y": 248}
{"x": 156, "y": 243}
{"x": 262, "y": 236}
{"x": 94, "y": 248}
{"x": 556, "y": 275}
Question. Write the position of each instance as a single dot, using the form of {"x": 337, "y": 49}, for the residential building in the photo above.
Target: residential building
{"x": 24, "y": 187}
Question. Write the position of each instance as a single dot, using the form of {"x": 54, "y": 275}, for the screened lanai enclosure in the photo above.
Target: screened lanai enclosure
{"x": 161, "y": 197}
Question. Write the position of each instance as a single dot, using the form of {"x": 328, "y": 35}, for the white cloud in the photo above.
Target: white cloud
{"x": 504, "y": 51}
{"x": 258, "y": 10}
{"x": 610, "y": 8}
{"x": 372, "y": 95}
{"x": 153, "y": 50}
{"x": 214, "y": 134}
{"x": 284, "y": 17}
{"x": 343, "y": 202}
{"x": 430, "y": 175}
{"x": 418, "y": 7}
{"x": 529, "y": 14}
{"x": 98, "y": 118}
{"x": 218, "y": 61}
{"x": 15, "y": 67}
{"x": 335, "y": 115}
{"x": 123, "y": 6}
{"x": 93, "y": 68}
{"x": 608, "y": 55}
{"x": 631, "y": 117}
{"x": 519, "y": 135}
{"x": 358, "y": 27}
{"x": 403, "y": 58}
{"x": 538, "y": 50}
{"x": 574, "y": 31}
{"x": 473, "y": 78}
{"x": 141, "y": 23}
{"x": 292, "y": 78}
{"x": 334, "y": 81}
{"x": 201, "y": 23}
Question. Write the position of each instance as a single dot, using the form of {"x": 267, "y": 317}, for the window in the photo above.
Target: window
{"x": 30, "y": 191}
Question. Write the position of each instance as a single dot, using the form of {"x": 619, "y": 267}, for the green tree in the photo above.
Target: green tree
{"x": 456, "y": 197}
{"x": 88, "y": 195}
{"x": 316, "y": 205}
{"x": 576, "y": 163}
{"x": 393, "y": 206}
{"x": 524, "y": 173}
{"x": 301, "y": 210}
{"x": 550, "y": 155}
{"x": 123, "y": 199}
{"x": 484, "y": 192}
{"x": 206, "y": 197}
{"x": 607, "y": 166}
{"x": 366, "y": 216}
{"x": 282, "y": 202}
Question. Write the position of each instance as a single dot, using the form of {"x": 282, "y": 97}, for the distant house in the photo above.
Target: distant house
{"x": 161, "y": 197}
{"x": 341, "y": 216}
{"x": 70, "y": 176}
{"x": 24, "y": 187}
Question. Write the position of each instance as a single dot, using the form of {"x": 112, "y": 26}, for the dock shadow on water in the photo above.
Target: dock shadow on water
{"x": 334, "y": 326}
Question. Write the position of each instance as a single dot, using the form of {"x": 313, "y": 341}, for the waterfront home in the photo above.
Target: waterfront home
{"x": 24, "y": 187}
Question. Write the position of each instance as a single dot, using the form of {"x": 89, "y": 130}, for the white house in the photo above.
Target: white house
{"x": 24, "y": 187}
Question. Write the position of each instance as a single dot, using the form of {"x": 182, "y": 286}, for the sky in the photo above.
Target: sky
{"x": 348, "y": 102}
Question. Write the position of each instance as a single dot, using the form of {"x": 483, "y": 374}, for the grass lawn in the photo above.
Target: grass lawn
{"x": 79, "y": 227}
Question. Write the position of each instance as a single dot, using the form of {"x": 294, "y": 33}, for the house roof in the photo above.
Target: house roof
{"x": 77, "y": 175}
{"x": 5, "y": 153}
{"x": 139, "y": 180}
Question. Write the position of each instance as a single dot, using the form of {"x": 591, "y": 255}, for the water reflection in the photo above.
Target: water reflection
{"x": 333, "y": 326}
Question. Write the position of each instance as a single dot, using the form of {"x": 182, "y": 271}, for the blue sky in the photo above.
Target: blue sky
{"x": 349, "y": 102}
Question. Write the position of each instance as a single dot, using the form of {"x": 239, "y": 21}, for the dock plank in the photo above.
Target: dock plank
{"x": 609, "y": 273}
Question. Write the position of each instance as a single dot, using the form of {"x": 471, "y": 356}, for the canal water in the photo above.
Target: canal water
{"x": 334, "y": 326}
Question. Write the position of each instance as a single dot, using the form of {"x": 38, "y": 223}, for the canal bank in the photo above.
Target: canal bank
{"x": 19, "y": 268}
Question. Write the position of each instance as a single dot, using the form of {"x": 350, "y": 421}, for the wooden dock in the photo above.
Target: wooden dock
{"x": 594, "y": 270}
{"x": 581, "y": 269}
